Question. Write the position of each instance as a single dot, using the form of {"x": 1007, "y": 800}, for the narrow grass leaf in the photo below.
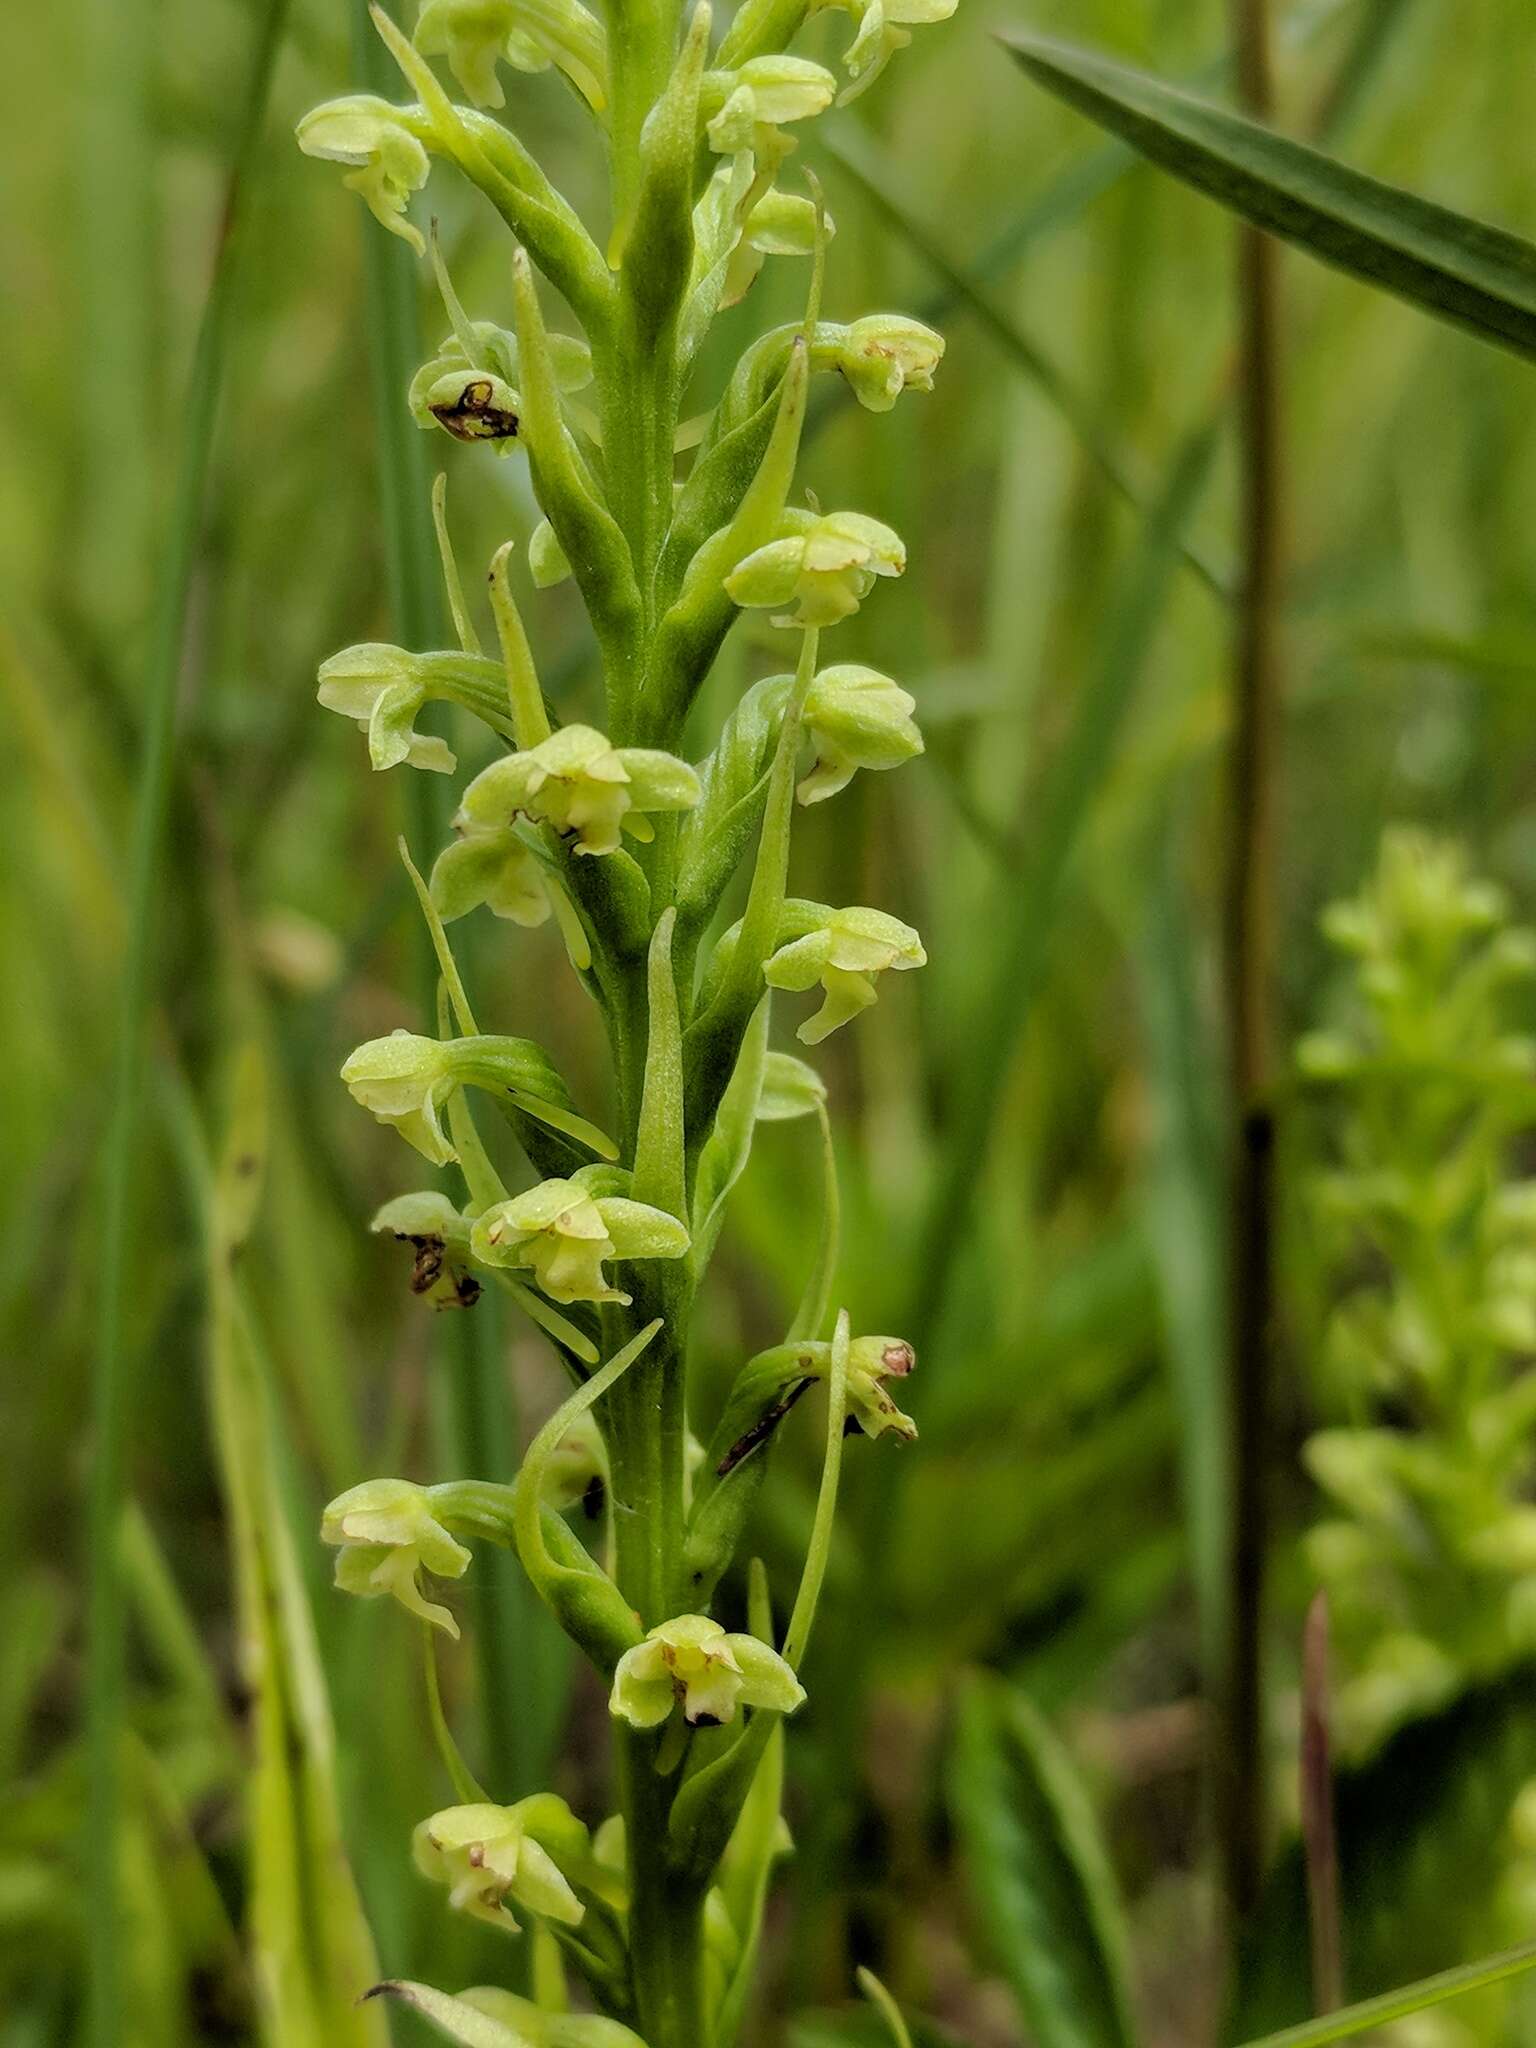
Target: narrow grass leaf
{"x": 112, "y": 1392}
{"x": 1181, "y": 1212}
{"x": 1041, "y": 1882}
{"x": 1399, "y": 2005}
{"x": 1450, "y": 265}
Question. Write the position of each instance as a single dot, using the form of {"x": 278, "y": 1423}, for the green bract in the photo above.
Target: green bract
{"x": 564, "y": 1234}
{"x": 844, "y": 954}
{"x": 825, "y": 564}
{"x": 488, "y": 1855}
{"x": 587, "y": 790}
{"x": 540, "y": 2029}
{"x": 388, "y": 1536}
{"x": 691, "y": 1662}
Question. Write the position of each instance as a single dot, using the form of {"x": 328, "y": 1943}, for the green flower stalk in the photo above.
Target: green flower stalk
{"x": 591, "y": 814}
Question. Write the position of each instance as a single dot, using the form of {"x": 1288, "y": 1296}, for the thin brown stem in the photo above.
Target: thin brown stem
{"x": 1249, "y": 955}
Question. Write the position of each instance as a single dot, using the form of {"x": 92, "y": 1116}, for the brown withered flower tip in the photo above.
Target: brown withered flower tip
{"x": 474, "y": 416}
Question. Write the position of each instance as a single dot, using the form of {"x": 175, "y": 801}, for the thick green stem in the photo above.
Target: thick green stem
{"x": 666, "y": 1914}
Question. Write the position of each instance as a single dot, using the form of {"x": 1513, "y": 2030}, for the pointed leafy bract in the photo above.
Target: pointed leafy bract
{"x": 1459, "y": 269}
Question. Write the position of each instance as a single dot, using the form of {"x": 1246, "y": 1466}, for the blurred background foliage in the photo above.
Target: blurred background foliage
{"x": 1000, "y": 1792}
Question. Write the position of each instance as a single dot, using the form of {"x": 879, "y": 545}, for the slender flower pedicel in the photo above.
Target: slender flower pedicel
{"x": 626, "y": 1527}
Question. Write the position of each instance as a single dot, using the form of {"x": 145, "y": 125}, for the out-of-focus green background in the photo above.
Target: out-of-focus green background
{"x": 1059, "y": 847}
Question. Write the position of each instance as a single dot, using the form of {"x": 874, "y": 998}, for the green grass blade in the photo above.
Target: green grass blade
{"x": 1038, "y": 1872}
{"x": 112, "y": 1389}
{"x": 1397, "y": 2005}
{"x": 1461, "y": 270}
{"x": 1181, "y": 1211}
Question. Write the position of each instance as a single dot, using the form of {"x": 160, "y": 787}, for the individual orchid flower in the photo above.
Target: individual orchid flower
{"x": 856, "y": 718}
{"x": 490, "y": 864}
{"x": 586, "y": 789}
{"x": 844, "y": 954}
{"x": 405, "y": 1080}
{"x": 383, "y": 689}
{"x": 872, "y": 1361}
{"x": 564, "y": 1233}
{"x": 478, "y": 35}
{"x": 754, "y": 102}
{"x": 438, "y": 1233}
{"x": 471, "y": 387}
{"x": 692, "y": 1662}
{"x": 386, "y": 1536}
{"x": 381, "y": 141}
{"x": 885, "y": 26}
{"x": 825, "y": 565}
{"x": 488, "y": 1855}
{"x": 884, "y": 354}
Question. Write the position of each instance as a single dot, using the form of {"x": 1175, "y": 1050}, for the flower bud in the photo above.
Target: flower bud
{"x": 692, "y": 1662}
{"x": 488, "y": 1855}
{"x": 844, "y": 954}
{"x": 885, "y": 354}
{"x": 383, "y": 689}
{"x": 387, "y": 1536}
{"x": 564, "y": 1233}
{"x": 381, "y": 141}
{"x": 586, "y": 789}
{"x": 439, "y": 1235}
{"x": 779, "y": 224}
{"x": 825, "y": 566}
{"x": 548, "y": 563}
{"x": 857, "y": 718}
